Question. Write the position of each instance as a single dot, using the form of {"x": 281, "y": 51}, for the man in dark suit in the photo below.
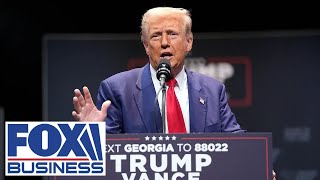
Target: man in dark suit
{"x": 126, "y": 100}
{"x": 165, "y": 33}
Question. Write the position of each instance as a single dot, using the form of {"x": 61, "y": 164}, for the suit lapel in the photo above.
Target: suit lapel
{"x": 197, "y": 104}
{"x": 144, "y": 98}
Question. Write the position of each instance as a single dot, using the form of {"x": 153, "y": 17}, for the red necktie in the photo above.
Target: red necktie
{"x": 174, "y": 113}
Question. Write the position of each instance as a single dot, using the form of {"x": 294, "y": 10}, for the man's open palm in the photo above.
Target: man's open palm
{"x": 85, "y": 109}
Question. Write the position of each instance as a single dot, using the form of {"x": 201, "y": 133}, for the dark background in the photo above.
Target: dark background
{"x": 22, "y": 26}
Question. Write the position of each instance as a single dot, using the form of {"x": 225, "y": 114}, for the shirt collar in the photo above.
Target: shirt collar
{"x": 181, "y": 77}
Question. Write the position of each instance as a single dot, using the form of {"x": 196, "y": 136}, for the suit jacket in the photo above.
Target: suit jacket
{"x": 133, "y": 108}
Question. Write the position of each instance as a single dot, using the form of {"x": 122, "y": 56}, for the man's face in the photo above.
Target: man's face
{"x": 166, "y": 38}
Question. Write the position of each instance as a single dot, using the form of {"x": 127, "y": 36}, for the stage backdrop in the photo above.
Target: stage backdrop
{"x": 272, "y": 81}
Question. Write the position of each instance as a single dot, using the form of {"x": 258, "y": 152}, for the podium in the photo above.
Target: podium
{"x": 204, "y": 156}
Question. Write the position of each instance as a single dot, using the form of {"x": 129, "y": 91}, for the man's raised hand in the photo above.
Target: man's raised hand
{"x": 85, "y": 109}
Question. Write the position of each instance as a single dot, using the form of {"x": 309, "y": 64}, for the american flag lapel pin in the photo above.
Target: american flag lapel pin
{"x": 201, "y": 101}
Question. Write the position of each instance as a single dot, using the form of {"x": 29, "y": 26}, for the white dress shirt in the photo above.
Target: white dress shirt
{"x": 181, "y": 90}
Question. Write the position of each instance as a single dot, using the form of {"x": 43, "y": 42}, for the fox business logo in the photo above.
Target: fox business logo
{"x": 55, "y": 148}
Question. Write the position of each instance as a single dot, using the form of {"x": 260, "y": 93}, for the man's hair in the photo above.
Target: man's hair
{"x": 163, "y": 11}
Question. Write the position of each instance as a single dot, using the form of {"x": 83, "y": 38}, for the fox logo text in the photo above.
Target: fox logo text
{"x": 55, "y": 148}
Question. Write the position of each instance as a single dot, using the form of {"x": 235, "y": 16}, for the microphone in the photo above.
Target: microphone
{"x": 163, "y": 74}
{"x": 164, "y": 71}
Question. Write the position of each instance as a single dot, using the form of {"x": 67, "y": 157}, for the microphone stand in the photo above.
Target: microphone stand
{"x": 163, "y": 110}
{"x": 163, "y": 74}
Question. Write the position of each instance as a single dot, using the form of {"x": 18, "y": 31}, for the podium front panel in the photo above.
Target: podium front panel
{"x": 205, "y": 156}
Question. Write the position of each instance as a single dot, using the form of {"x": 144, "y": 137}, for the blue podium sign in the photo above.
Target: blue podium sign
{"x": 205, "y": 156}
